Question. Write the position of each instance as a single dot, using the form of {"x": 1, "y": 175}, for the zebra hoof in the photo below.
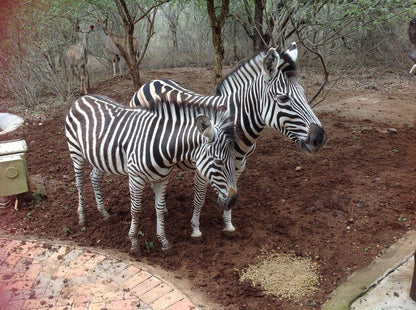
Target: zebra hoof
{"x": 107, "y": 218}
{"x": 135, "y": 251}
{"x": 229, "y": 232}
{"x": 196, "y": 240}
{"x": 167, "y": 250}
{"x": 196, "y": 236}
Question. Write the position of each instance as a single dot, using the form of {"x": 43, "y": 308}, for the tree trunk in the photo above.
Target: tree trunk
{"x": 258, "y": 38}
{"x": 219, "y": 54}
{"x": 217, "y": 23}
{"x": 128, "y": 49}
{"x": 132, "y": 61}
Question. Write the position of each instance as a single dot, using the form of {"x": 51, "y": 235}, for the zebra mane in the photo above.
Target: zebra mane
{"x": 288, "y": 66}
{"x": 219, "y": 116}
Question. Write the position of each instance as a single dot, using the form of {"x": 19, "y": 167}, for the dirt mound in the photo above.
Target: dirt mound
{"x": 283, "y": 275}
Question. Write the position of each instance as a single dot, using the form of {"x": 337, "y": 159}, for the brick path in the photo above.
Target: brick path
{"x": 36, "y": 275}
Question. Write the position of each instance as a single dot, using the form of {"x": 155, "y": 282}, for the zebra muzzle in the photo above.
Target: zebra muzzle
{"x": 316, "y": 139}
{"x": 228, "y": 202}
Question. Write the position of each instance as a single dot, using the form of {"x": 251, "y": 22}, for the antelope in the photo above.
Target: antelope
{"x": 411, "y": 31}
{"x": 77, "y": 57}
{"x": 112, "y": 50}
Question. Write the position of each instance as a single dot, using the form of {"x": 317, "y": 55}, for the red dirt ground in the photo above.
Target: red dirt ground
{"x": 341, "y": 208}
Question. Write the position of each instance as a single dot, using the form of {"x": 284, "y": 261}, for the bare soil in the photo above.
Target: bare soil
{"x": 339, "y": 208}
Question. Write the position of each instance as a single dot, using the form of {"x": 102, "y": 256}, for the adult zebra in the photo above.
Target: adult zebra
{"x": 146, "y": 144}
{"x": 262, "y": 91}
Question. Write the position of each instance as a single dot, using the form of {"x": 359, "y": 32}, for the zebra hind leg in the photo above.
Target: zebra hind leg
{"x": 136, "y": 185}
{"x": 200, "y": 189}
{"x": 159, "y": 188}
{"x": 96, "y": 180}
{"x": 79, "y": 167}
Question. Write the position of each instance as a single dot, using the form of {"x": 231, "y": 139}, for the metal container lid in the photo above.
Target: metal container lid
{"x": 12, "y": 147}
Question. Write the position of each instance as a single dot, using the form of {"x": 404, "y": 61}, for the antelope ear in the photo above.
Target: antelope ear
{"x": 292, "y": 51}
{"x": 271, "y": 62}
{"x": 204, "y": 125}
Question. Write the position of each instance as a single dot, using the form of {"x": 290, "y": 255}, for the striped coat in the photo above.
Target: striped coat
{"x": 146, "y": 144}
{"x": 262, "y": 92}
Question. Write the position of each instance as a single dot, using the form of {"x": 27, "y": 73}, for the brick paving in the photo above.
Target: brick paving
{"x": 37, "y": 275}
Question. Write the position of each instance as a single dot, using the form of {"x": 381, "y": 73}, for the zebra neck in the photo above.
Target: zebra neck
{"x": 246, "y": 110}
{"x": 245, "y": 84}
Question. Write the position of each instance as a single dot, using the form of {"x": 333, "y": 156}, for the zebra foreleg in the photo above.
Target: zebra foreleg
{"x": 136, "y": 185}
{"x": 159, "y": 188}
{"x": 96, "y": 180}
{"x": 228, "y": 225}
{"x": 200, "y": 189}
{"x": 226, "y": 215}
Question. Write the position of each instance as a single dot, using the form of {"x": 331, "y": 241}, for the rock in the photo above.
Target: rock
{"x": 9, "y": 122}
{"x": 37, "y": 184}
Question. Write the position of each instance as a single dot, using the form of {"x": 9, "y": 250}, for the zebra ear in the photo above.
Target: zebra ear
{"x": 204, "y": 125}
{"x": 271, "y": 62}
{"x": 292, "y": 51}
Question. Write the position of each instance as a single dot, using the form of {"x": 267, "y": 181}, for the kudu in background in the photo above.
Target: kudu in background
{"x": 113, "y": 52}
{"x": 412, "y": 38}
{"x": 77, "y": 57}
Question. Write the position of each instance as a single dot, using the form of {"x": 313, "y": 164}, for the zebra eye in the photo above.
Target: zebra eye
{"x": 283, "y": 98}
{"x": 218, "y": 162}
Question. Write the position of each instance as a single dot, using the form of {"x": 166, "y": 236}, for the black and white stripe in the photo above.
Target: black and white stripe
{"x": 262, "y": 92}
{"x": 146, "y": 144}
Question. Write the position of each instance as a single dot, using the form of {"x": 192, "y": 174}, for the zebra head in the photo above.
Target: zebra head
{"x": 216, "y": 161}
{"x": 285, "y": 107}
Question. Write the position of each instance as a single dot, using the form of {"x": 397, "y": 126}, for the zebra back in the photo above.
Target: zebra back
{"x": 123, "y": 140}
{"x": 262, "y": 91}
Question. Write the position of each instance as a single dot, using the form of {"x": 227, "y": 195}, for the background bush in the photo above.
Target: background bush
{"x": 353, "y": 35}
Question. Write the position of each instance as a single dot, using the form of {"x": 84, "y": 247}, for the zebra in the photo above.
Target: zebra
{"x": 261, "y": 92}
{"x": 146, "y": 144}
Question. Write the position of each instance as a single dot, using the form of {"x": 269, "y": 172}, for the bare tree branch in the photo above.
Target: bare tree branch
{"x": 309, "y": 46}
{"x": 146, "y": 12}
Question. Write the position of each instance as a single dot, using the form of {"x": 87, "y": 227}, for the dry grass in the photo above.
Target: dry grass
{"x": 283, "y": 275}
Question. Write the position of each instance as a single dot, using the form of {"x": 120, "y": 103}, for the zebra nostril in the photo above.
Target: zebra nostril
{"x": 228, "y": 202}
{"x": 317, "y": 136}
{"x": 232, "y": 192}
{"x": 231, "y": 200}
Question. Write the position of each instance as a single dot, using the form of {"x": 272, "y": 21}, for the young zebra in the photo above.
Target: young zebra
{"x": 146, "y": 144}
{"x": 262, "y": 91}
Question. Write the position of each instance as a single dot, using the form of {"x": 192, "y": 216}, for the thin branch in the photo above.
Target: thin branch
{"x": 321, "y": 58}
{"x": 150, "y": 33}
{"x": 146, "y": 12}
{"x": 243, "y": 24}
{"x": 248, "y": 13}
